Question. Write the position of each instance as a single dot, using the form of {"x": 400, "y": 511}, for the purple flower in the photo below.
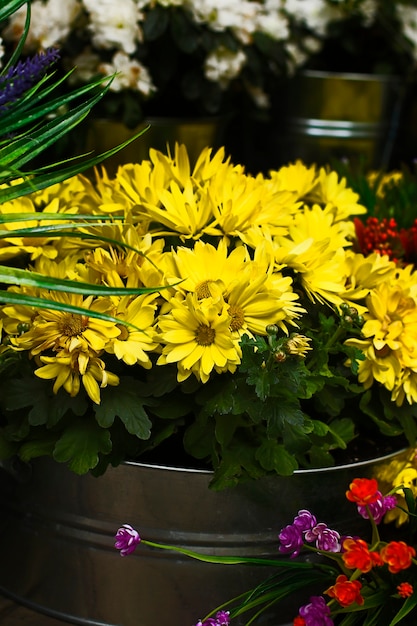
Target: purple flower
{"x": 317, "y": 613}
{"x": 22, "y": 76}
{"x": 127, "y": 538}
{"x": 222, "y": 619}
{"x": 291, "y": 540}
{"x": 378, "y": 508}
{"x": 325, "y": 538}
{"x": 305, "y": 520}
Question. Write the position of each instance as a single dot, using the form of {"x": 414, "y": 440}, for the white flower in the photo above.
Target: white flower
{"x": 240, "y": 16}
{"x": 114, "y": 24}
{"x": 273, "y": 24}
{"x": 315, "y": 14}
{"x": 408, "y": 18}
{"x": 86, "y": 66}
{"x": 296, "y": 57}
{"x": 260, "y": 98}
{"x": 50, "y": 24}
{"x": 131, "y": 74}
{"x": 223, "y": 65}
{"x": 369, "y": 9}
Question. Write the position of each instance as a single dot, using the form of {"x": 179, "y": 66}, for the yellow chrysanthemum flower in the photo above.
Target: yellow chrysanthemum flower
{"x": 388, "y": 178}
{"x": 390, "y": 341}
{"x": 125, "y": 267}
{"x": 60, "y": 330}
{"x": 183, "y": 210}
{"x": 258, "y": 298}
{"x": 398, "y": 473}
{"x": 333, "y": 192}
{"x": 297, "y": 178}
{"x": 314, "y": 250}
{"x": 196, "y": 335}
{"x": 68, "y": 368}
{"x": 364, "y": 273}
{"x": 195, "y": 269}
{"x": 298, "y": 345}
{"x": 137, "y": 336}
{"x": 35, "y": 246}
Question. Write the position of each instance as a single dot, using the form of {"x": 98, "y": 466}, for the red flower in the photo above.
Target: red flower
{"x": 345, "y": 591}
{"x": 398, "y": 555}
{"x": 363, "y": 491}
{"x": 358, "y": 555}
{"x": 405, "y": 590}
{"x": 299, "y": 621}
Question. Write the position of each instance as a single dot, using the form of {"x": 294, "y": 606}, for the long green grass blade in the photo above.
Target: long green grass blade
{"x": 16, "y": 53}
{"x": 43, "y": 303}
{"x": 8, "y": 7}
{"x": 51, "y": 177}
{"x": 26, "y": 278}
{"x": 56, "y": 232}
{"x": 27, "y": 147}
{"x": 8, "y": 218}
{"x": 406, "y": 608}
{"x": 32, "y": 107}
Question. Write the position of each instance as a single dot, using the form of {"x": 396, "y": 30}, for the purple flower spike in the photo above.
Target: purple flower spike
{"x": 317, "y": 613}
{"x": 325, "y": 538}
{"x": 127, "y": 538}
{"x": 291, "y": 540}
{"x": 305, "y": 520}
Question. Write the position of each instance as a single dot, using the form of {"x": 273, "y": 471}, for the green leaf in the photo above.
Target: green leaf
{"x": 184, "y": 32}
{"x": 321, "y": 429}
{"x": 320, "y": 456}
{"x": 225, "y": 428}
{"x": 342, "y": 431}
{"x": 43, "y": 407}
{"x": 124, "y": 402}
{"x": 406, "y": 608}
{"x": 275, "y": 458}
{"x": 156, "y": 23}
{"x": 277, "y": 413}
{"x": 37, "y": 447}
{"x": 80, "y": 445}
{"x": 198, "y": 437}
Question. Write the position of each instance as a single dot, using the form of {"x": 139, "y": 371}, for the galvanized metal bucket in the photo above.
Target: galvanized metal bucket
{"x": 330, "y": 116}
{"x": 161, "y": 133}
{"x": 57, "y": 537}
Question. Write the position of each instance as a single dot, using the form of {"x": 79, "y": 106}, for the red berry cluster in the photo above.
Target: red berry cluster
{"x": 384, "y": 237}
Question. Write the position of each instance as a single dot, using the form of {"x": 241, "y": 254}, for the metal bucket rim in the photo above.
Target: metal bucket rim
{"x": 318, "y": 470}
{"x": 388, "y": 78}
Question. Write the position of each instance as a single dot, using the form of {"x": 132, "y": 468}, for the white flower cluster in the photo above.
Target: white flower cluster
{"x": 116, "y": 27}
{"x": 408, "y": 18}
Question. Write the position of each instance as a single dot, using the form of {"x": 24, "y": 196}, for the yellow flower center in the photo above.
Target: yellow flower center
{"x": 383, "y": 352}
{"x": 205, "y": 335}
{"x": 203, "y": 290}
{"x": 72, "y": 325}
{"x": 237, "y": 317}
{"x": 124, "y": 333}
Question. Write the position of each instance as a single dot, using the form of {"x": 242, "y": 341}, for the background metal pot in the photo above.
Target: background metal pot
{"x": 57, "y": 534}
{"x": 335, "y": 116}
{"x": 196, "y": 134}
